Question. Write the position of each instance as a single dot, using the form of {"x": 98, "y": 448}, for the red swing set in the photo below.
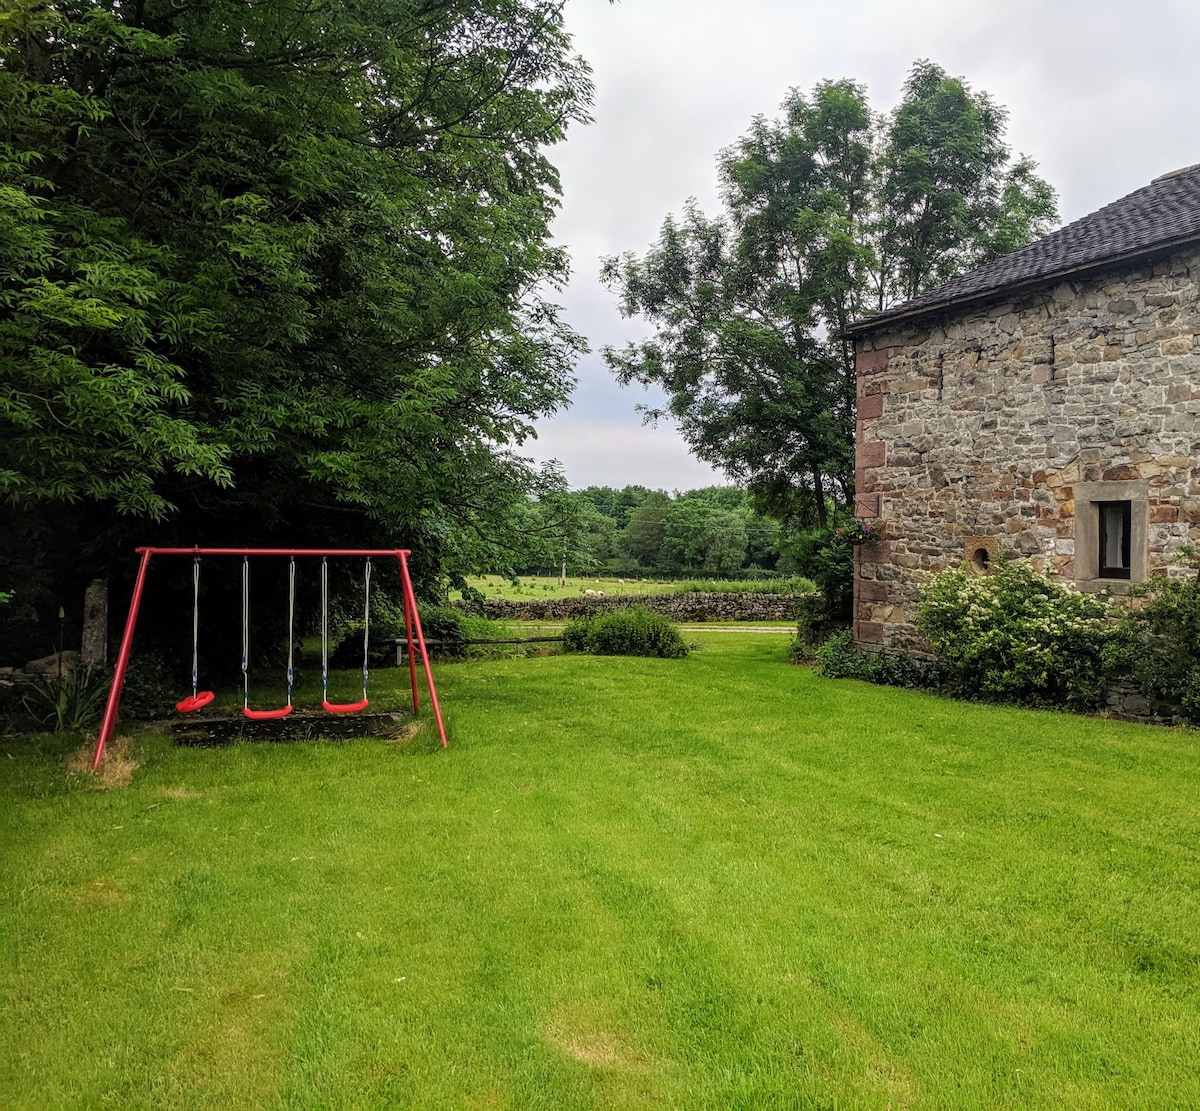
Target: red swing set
{"x": 198, "y": 698}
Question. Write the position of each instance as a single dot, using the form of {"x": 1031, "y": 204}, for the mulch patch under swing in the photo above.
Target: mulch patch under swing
{"x": 204, "y": 731}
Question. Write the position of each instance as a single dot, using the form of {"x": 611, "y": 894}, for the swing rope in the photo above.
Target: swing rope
{"x": 199, "y": 698}
{"x": 344, "y": 707}
{"x": 366, "y": 626}
{"x": 282, "y": 711}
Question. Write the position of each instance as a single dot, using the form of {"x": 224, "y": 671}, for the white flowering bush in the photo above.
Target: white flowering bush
{"x": 1016, "y": 636}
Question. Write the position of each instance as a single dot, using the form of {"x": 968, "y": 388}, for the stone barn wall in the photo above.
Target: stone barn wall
{"x": 1006, "y": 426}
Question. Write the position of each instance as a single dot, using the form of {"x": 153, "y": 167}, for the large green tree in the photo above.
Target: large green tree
{"x": 830, "y": 211}
{"x": 277, "y": 270}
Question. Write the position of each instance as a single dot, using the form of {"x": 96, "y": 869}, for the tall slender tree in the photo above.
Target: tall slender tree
{"x": 830, "y": 211}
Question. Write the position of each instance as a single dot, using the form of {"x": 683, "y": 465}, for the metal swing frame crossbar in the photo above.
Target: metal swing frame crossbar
{"x": 412, "y": 623}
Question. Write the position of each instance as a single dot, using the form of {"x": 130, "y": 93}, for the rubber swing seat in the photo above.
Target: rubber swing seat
{"x": 344, "y": 707}
{"x": 266, "y": 715}
{"x": 195, "y": 701}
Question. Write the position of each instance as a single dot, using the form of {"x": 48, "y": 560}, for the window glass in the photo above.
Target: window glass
{"x": 1115, "y": 522}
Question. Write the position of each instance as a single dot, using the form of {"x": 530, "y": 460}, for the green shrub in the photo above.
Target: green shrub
{"x": 150, "y": 690}
{"x": 813, "y": 626}
{"x": 826, "y": 557}
{"x": 446, "y": 625}
{"x": 1015, "y": 636}
{"x": 840, "y": 658}
{"x": 625, "y": 632}
{"x": 67, "y": 702}
{"x": 1158, "y": 644}
{"x": 575, "y": 634}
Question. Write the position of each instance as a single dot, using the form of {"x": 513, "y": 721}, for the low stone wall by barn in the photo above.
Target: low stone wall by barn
{"x": 1125, "y": 700}
{"x": 694, "y": 606}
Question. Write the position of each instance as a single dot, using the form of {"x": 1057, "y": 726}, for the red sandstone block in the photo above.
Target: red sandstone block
{"x": 871, "y": 455}
{"x": 868, "y": 362}
{"x": 870, "y": 632}
{"x": 871, "y": 590}
{"x": 1164, "y": 514}
{"x": 866, "y": 505}
{"x": 870, "y": 407}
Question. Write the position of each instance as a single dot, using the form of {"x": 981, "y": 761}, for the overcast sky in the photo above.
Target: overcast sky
{"x": 1103, "y": 95}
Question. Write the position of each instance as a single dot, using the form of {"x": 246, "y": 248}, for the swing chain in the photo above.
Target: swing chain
{"x": 245, "y": 632}
{"x": 291, "y": 672}
{"x": 195, "y": 626}
{"x": 366, "y": 624}
{"x": 324, "y": 628}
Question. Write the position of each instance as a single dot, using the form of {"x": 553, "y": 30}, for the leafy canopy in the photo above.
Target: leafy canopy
{"x": 281, "y": 269}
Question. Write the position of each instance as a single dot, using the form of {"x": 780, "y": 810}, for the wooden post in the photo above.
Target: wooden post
{"x": 93, "y": 652}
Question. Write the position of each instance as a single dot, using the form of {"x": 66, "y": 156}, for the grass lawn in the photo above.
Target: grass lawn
{"x": 717, "y": 883}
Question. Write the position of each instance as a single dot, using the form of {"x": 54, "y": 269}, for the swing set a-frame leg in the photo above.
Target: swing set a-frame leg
{"x": 118, "y": 681}
{"x": 412, "y": 623}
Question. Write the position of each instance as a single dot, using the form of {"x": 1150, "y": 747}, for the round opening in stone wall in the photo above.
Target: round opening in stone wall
{"x": 981, "y": 557}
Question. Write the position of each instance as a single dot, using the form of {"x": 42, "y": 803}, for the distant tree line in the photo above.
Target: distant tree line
{"x": 715, "y": 531}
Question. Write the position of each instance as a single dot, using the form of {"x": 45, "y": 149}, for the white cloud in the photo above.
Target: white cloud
{"x": 611, "y": 453}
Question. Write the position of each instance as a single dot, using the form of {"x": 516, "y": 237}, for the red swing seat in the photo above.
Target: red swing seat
{"x": 195, "y": 701}
{"x": 266, "y": 715}
{"x": 344, "y": 707}
{"x": 362, "y": 703}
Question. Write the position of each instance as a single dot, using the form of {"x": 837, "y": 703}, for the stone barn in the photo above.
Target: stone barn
{"x": 1045, "y": 403}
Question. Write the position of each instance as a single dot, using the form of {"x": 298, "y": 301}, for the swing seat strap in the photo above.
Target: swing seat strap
{"x": 282, "y": 711}
{"x": 198, "y": 698}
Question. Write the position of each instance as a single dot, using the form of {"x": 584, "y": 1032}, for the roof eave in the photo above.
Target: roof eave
{"x": 877, "y": 323}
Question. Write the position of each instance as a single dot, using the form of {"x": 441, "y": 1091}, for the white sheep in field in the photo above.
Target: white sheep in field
{"x": 589, "y": 594}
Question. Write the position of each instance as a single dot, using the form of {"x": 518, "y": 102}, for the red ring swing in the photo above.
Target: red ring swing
{"x": 198, "y": 698}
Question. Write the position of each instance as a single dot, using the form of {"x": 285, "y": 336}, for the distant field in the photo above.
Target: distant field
{"x": 547, "y": 586}
{"x": 528, "y": 587}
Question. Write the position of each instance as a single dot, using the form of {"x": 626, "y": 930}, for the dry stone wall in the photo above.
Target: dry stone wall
{"x": 977, "y": 431}
{"x": 692, "y": 606}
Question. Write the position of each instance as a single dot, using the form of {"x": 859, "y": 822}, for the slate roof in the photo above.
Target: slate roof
{"x": 1159, "y": 216}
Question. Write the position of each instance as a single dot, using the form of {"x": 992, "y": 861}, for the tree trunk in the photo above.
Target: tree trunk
{"x": 93, "y": 652}
{"x": 819, "y": 494}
